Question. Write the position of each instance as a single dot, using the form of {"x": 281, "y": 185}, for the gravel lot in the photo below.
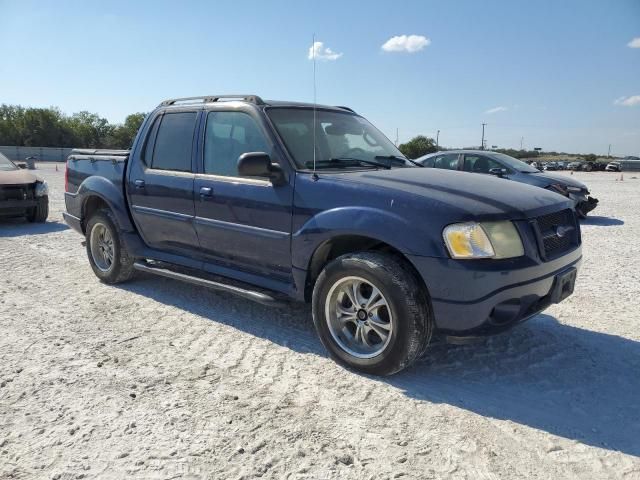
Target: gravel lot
{"x": 158, "y": 379}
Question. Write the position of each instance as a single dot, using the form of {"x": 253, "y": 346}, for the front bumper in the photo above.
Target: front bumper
{"x": 16, "y": 207}
{"x": 485, "y": 297}
{"x": 583, "y": 203}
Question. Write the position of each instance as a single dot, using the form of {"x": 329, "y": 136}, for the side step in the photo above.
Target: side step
{"x": 230, "y": 287}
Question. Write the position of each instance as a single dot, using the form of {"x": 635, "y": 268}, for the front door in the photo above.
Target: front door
{"x": 160, "y": 184}
{"x": 243, "y": 222}
{"x": 478, "y": 163}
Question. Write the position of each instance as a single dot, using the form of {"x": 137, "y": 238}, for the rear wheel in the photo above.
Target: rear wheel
{"x": 371, "y": 312}
{"x": 40, "y": 212}
{"x": 107, "y": 254}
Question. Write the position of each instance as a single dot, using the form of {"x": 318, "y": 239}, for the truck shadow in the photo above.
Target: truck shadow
{"x": 571, "y": 382}
{"x": 601, "y": 221}
{"x": 16, "y": 227}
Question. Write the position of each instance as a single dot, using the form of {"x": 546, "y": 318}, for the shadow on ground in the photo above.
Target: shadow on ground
{"x": 601, "y": 221}
{"x": 567, "y": 381}
{"x": 16, "y": 227}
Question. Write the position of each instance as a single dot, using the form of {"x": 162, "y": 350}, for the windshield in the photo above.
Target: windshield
{"x": 343, "y": 140}
{"x": 6, "y": 164}
{"x": 515, "y": 164}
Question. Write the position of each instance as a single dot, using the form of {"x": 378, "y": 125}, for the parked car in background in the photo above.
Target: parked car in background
{"x": 551, "y": 166}
{"x": 22, "y": 193}
{"x": 574, "y": 166}
{"x": 613, "y": 167}
{"x": 504, "y": 166}
{"x": 227, "y": 193}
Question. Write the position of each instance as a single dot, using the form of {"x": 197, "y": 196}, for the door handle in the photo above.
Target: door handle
{"x": 206, "y": 191}
{"x": 139, "y": 183}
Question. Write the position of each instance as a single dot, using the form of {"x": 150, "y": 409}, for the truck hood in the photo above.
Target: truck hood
{"x": 545, "y": 179}
{"x": 18, "y": 177}
{"x": 473, "y": 196}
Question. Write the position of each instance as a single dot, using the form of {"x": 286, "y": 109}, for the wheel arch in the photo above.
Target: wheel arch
{"x": 343, "y": 244}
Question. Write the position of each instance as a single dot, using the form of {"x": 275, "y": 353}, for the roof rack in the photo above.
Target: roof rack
{"x": 213, "y": 98}
{"x": 346, "y": 108}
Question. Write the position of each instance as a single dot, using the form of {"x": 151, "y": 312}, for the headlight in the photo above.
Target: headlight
{"x": 42, "y": 189}
{"x": 483, "y": 240}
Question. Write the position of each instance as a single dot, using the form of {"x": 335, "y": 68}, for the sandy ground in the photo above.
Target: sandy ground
{"x": 158, "y": 379}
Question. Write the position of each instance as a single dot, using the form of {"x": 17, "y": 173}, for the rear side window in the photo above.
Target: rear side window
{"x": 172, "y": 150}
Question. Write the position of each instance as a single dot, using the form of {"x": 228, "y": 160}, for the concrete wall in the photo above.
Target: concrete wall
{"x": 42, "y": 154}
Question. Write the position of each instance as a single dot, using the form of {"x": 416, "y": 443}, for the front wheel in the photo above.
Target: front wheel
{"x": 107, "y": 254}
{"x": 372, "y": 313}
{"x": 40, "y": 212}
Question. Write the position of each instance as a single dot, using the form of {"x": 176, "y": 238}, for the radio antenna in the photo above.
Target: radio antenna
{"x": 313, "y": 49}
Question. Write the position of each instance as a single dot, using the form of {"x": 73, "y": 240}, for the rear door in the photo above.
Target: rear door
{"x": 160, "y": 183}
{"x": 241, "y": 221}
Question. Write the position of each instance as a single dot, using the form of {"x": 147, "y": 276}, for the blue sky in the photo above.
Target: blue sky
{"x": 559, "y": 73}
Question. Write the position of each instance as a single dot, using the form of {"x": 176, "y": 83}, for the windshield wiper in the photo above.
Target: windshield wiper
{"x": 399, "y": 158}
{"x": 346, "y": 161}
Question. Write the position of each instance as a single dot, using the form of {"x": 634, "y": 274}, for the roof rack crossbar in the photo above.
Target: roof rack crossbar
{"x": 212, "y": 98}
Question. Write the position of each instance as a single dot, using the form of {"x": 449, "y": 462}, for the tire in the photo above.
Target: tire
{"x": 406, "y": 313}
{"x": 102, "y": 234}
{"x": 40, "y": 212}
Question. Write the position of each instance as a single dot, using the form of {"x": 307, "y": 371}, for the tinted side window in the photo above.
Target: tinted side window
{"x": 479, "y": 164}
{"x": 229, "y": 135}
{"x": 448, "y": 161}
{"x": 149, "y": 142}
{"x": 173, "y": 145}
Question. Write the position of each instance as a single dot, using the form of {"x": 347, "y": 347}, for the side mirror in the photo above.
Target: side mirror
{"x": 499, "y": 172}
{"x": 258, "y": 164}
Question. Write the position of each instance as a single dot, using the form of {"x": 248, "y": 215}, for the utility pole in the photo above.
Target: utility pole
{"x": 609, "y": 152}
{"x": 521, "y": 142}
{"x": 396, "y": 137}
{"x": 482, "y": 144}
{"x": 437, "y": 139}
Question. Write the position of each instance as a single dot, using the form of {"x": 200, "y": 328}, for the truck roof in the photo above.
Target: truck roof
{"x": 253, "y": 99}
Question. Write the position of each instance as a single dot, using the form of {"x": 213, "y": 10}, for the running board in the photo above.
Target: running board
{"x": 254, "y": 295}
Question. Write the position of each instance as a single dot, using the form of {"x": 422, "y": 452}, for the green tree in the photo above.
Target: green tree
{"x": 123, "y": 135}
{"x": 418, "y": 146}
{"x": 590, "y": 157}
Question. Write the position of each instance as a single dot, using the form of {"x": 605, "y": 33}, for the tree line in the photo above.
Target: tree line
{"x": 422, "y": 145}
{"x": 49, "y": 127}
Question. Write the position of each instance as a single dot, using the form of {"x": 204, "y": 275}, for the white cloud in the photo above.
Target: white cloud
{"x": 406, "y": 43}
{"x": 322, "y": 53}
{"x": 496, "y": 110}
{"x": 631, "y": 101}
{"x": 635, "y": 43}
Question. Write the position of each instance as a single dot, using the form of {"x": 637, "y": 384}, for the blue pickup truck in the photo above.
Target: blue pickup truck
{"x": 283, "y": 200}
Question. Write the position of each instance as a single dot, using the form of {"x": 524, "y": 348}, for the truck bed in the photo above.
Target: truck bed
{"x": 108, "y": 164}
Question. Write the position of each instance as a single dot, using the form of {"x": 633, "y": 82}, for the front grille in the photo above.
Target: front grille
{"x": 557, "y": 233}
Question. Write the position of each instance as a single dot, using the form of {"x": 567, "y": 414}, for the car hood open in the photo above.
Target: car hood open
{"x": 17, "y": 177}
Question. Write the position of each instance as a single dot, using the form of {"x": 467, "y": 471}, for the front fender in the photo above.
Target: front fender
{"x": 112, "y": 195}
{"x": 373, "y": 223}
